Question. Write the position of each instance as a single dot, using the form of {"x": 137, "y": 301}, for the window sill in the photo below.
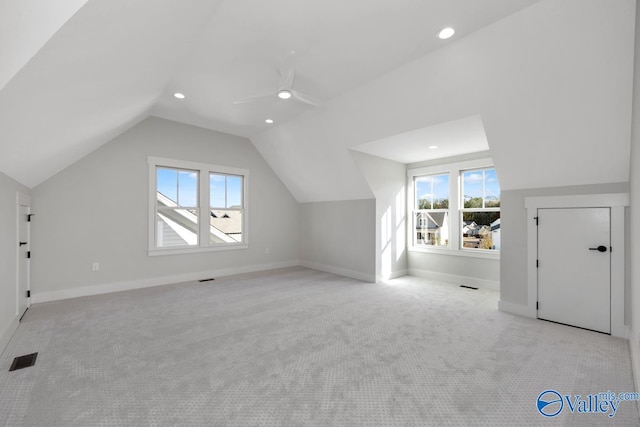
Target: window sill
{"x": 197, "y": 249}
{"x": 469, "y": 253}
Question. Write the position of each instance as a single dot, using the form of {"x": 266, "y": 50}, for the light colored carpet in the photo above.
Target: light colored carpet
{"x": 301, "y": 347}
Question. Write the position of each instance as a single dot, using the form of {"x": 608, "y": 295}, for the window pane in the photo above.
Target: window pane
{"x": 481, "y": 230}
{"x": 167, "y": 183}
{"x": 187, "y": 188}
{"x": 176, "y": 227}
{"x": 432, "y": 192}
{"x": 472, "y": 188}
{"x": 432, "y": 228}
{"x": 178, "y": 186}
{"x": 234, "y": 191}
{"x": 226, "y": 226}
{"x": 441, "y": 192}
{"x": 217, "y": 191}
{"x": 492, "y": 189}
{"x": 424, "y": 196}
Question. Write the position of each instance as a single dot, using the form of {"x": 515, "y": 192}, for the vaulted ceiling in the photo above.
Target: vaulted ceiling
{"x": 542, "y": 83}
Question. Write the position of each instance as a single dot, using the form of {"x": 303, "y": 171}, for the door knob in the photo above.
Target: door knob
{"x": 23, "y": 243}
{"x": 599, "y": 249}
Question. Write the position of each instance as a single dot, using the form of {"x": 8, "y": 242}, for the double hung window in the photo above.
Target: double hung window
{"x": 195, "y": 207}
{"x": 455, "y": 208}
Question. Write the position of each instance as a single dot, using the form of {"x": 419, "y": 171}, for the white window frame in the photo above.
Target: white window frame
{"x": 462, "y": 210}
{"x": 203, "y": 169}
{"x": 455, "y": 208}
{"x": 417, "y": 210}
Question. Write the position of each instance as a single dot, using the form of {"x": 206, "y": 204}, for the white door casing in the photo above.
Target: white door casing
{"x": 23, "y": 248}
{"x": 574, "y": 270}
{"x": 618, "y": 203}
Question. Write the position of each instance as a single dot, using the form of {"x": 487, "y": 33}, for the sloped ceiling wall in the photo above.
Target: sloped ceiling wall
{"x": 32, "y": 23}
{"x": 552, "y": 84}
{"x": 97, "y": 76}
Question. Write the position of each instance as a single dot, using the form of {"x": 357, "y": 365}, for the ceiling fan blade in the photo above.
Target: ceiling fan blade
{"x": 305, "y": 98}
{"x": 287, "y": 72}
{"x": 254, "y": 98}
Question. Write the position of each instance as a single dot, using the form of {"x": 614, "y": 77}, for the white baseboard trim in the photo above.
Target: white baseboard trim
{"x": 340, "y": 271}
{"x": 393, "y": 275}
{"x": 513, "y": 308}
{"x": 106, "y": 288}
{"x": 8, "y": 333}
{"x": 458, "y": 280}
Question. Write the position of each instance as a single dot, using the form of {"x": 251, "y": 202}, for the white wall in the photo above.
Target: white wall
{"x": 553, "y": 78}
{"x": 461, "y": 270}
{"x": 96, "y": 211}
{"x": 514, "y": 225}
{"x": 25, "y": 26}
{"x": 8, "y": 254}
{"x": 339, "y": 237}
{"x": 387, "y": 180}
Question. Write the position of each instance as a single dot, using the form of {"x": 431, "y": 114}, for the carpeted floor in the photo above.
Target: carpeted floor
{"x": 298, "y": 347}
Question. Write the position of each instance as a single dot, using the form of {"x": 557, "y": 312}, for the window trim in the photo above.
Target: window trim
{"x": 415, "y": 210}
{"x": 204, "y": 169}
{"x": 455, "y": 211}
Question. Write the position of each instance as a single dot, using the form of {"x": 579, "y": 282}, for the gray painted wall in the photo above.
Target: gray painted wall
{"x": 8, "y": 253}
{"x": 634, "y": 216}
{"x": 339, "y": 237}
{"x": 462, "y": 270}
{"x": 387, "y": 180}
{"x": 513, "y": 266}
{"x": 96, "y": 211}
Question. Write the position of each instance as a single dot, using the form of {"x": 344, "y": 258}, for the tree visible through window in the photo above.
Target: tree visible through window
{"x": 431, "y": 220}
{"x": 481, "y": 209}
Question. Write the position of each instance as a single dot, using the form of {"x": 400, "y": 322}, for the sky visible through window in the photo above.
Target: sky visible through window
{"x": 432, "y": 188}
{"x": 474, "y": 181}
{"x": 181, "y": 186}
{"x": 225, "y": 191}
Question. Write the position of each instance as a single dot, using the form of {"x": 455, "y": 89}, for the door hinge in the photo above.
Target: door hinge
{"x": 537, "y": 305}
{"x": 29, "y": 217}
{"x": 28, "y": 254}
{"x": 536, "y": 218}
{"x": 28, "y": 294}
{"x": 537, "y": 263}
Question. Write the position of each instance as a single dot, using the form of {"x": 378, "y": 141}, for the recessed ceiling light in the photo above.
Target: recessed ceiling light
{"x": 178, "y": 95}
{"x": 433, "y": 147}
{"x": 445, "y": 33}
{"x": 284, "y": 94}
{"x": 269, "y": 121}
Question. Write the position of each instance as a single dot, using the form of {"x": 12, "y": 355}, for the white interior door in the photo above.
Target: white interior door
{"x": 574, "y": 267}
{"x": 23, "y": 259}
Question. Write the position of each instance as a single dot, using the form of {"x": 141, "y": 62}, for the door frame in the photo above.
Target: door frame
{"x": 617, "y": 203}
{"x": 22, "y": 200}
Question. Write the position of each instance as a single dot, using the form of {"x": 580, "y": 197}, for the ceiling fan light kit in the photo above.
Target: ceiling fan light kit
{"x": 284, "y": 94}
{"x": 285, "y": 86}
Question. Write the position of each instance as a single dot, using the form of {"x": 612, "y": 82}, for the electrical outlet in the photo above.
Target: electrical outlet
{"x": 95, "y": 266}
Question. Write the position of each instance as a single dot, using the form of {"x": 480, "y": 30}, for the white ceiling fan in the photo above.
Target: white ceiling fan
{"x": 285, "y": 86}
